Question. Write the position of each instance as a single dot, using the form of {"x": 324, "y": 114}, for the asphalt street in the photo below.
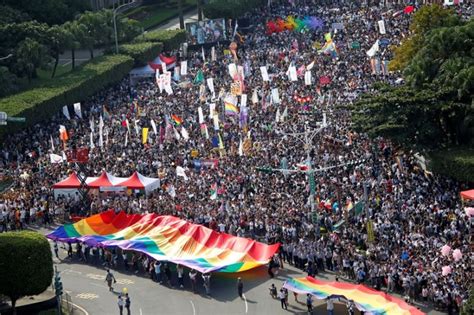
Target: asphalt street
{"x": 86, "y": 285}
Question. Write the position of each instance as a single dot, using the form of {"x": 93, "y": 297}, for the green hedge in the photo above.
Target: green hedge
{"x": 232, "y": 9}
{"x": 143, "y": 52}
{"x": 171, "y": 39}
{"x": 457, "y": 163}
{"x": 44, "y": 101}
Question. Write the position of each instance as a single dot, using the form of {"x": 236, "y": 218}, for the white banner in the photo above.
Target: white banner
{"x": 153, "y": 126}
{"x": 243, "y": 100}
{"x": 264, "y": 72}
{"x": 216, "y": 122}
{"x": 184, "y": 67}
{"x": 275, "y": 96}
{"x": 212, "y": 110}
{"x": 232, "y": 70}
{"x": 77, "y": 110}
{"x": 382, "y": 27}
{"x": 292, "y": 73}
{"x": 374, "y": 49}
{"x": 66, "y": 112}
{"x": 210, "y": 84}
{"x": 213, "y": 54}
{"x": 200, "y": 115}
{"x": 307, "y": 78}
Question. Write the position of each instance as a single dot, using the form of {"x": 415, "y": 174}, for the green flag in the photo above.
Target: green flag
{"x": 199, "y": 77}
{"x": 338, "y": 225}
{"x": 358, "y": 208}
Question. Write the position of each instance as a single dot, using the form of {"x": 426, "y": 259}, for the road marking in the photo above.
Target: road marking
{"x": 95, "y": 277}
{"x": 65, "y": 64}
{"x": 125, "y": 281}
{"x": 87, "y": 296}
{"x": 72, "y": 271}
{"x": 141, "y": 312}
{"x": 82, "y": 309}
{"x": 246, "y": 305}
{"x": 194, "y": 309}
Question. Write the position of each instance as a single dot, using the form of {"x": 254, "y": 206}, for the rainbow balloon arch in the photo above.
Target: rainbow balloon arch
{"x": 364, "y": 298}
{"x": 168, "y": 238}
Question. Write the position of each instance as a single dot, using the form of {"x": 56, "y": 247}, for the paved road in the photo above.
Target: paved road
{"x": 86, "y": 285}
{"x": 172, "y": 24}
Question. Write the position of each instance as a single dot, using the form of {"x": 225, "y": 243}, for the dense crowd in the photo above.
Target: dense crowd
{"x": 412, "y": 212}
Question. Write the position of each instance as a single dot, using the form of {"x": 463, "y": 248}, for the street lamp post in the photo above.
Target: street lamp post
{"x": 115, "y": 22}
{"x": 6, "y": 57}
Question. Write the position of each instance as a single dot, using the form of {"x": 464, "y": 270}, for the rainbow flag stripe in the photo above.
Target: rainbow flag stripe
{"x": 365, "y": 299}
{"x": 176, "y": 120}
{"x": 231, "y": 109}
{"x": 168, "y": 238}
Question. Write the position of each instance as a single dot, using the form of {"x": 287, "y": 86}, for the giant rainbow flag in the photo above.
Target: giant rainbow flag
{"x": 170, "y": 239}
{"x": 365, "y": 299}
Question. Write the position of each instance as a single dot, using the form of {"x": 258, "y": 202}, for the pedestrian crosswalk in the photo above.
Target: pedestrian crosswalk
{"x": 87, "y": 296}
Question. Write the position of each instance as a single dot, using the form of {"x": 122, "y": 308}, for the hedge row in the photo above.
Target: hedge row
{"x": 455, "y": 163}
{"x": 40, "y": 103}
{"x": 141, "y": 52}
{"x": 171, "y": 39}
{"x": 230, "y": 9}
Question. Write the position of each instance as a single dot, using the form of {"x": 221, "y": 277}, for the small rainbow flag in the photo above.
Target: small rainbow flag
{"x": 231, "y": 109}
{"x": 176, "y": 120}
{"x": 364, "y": 298}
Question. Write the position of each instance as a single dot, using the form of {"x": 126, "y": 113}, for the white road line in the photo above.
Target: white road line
{"x": 194, "y": 309}
{"x": 75, "y": 305}
{"x": 141, "y": 312}
{"x": 65, "y": 64}
{"x": 246, "y": 305}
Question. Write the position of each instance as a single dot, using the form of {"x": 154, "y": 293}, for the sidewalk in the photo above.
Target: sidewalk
{"x": 172, "y": 24}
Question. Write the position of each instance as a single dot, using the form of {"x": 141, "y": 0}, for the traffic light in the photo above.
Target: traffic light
{"x": 265, "y": 169}
{"x": 58, "y": 286}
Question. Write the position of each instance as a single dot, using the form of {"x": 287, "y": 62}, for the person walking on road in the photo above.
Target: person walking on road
{"x": 127, "y": 303}
{"x": 180, "y": 271}
{"x": 108, "y": 278}
{"x": 56, "y": 249}
{"x": 193, "y": 278}
{"x": 330, "y": 306}
{"x": 282, "y": 297}
{"x": 120, "y": 304}
{"x": 309, "y": 304}
{"x": 240, "y": 287}
{"x": 206, "y": 277}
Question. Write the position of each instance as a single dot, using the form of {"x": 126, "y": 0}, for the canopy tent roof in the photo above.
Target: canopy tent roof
{"x": 152, "y": 66}
{"x": 71, "y": 182}
{"x": 168, "y": 238}
{"x": 365, "y": 299}
{"x": 138, "y": 181}
{"x": 468, "y": 194}
{"x": 106, "y": 180}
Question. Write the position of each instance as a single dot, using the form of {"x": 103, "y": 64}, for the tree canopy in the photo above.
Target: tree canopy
{"x": 26, "y": 264}
{"x": 433, "y": 111}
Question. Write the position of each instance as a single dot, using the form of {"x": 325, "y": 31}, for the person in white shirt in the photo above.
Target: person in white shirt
{"x": 330, "y": 306}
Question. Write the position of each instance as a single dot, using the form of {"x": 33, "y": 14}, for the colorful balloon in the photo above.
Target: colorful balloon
{"x": 445, "y": 250}
{"x": 446, "y": 270}
{"x": 457, "y": 255}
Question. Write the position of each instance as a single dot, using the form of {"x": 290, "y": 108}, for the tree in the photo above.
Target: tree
{"x": 79, "y": 38}
{"x": 60, "y": 40}
{"x": 427, "y": 18}
{"x": 26, "y": 265}
{"x": 30, "y": 56}
{"x": 468, "y": 307}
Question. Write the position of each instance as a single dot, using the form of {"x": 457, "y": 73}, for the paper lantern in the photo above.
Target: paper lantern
{"x": 457, "y": 255}
{"x": 446, "y": 270}
{"x": 445, "y": 250}
{"x": 469, "y": 211}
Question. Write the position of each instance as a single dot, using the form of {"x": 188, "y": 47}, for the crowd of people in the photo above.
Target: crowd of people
{"x": 408, "y": 213}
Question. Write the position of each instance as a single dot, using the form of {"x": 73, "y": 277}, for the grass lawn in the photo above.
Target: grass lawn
{"x": 155, "y": 14}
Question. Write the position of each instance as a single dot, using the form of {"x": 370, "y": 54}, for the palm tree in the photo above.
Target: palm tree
{"x": 60, "y": 40}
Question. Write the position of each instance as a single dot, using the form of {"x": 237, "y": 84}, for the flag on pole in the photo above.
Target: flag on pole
{"x": 200, "y": 115}
{"x": 199, "y": 77}
{"x": 63, "y": 133}
{"x": 358, "y": 208}
{"x": 254, "y": 97}
{"x": 176, "y": 134}
{"x": 66, "y": 112}
{"x": 214, "y": 191}
{"x": 91, "y": 142}
{"x": 204, "y": 131}
{"x": 52, "y": 143}
{"x": 307, "y": 78}
{"x": 77, "y": 110}
{"x": 215, "y": 119}
{"x": 243, "y": 100}
{"x": 180, "y": 172}
{"x": 381, "y": 25}
{"x": 55, "y": 159}
{"x": 184, "y": 134}
{"x": 241, "y": 147}
{"x": 203, "y": 55}
{"x": 213, "y": 54}
{"x": 374, "y": 49}
{"x": 176, "y": 120}
{"x": 153, "y": 126}
{"x": 277, "y": 117}
{"x": 264, "y": 72}
{"x": 144, "y": 135}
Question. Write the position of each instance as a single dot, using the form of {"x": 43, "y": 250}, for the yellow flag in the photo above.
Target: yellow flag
{"x": 144, "y": 135}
